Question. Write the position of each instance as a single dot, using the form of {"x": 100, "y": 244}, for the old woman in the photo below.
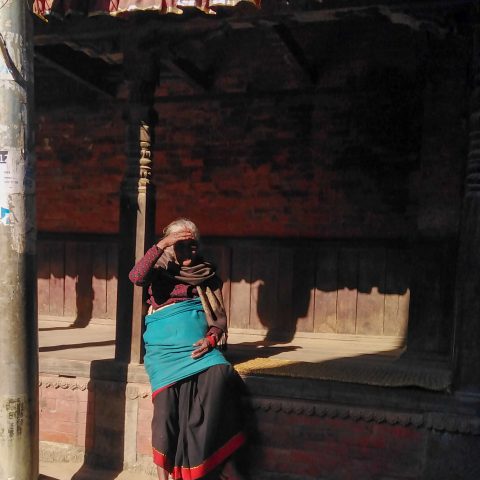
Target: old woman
{"x": 196, "y": 425}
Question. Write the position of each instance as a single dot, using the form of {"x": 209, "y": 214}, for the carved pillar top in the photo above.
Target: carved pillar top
{"x": 140, "y": 118}
{"x": 138, "y": 174}
{"x": 141, "y": 78}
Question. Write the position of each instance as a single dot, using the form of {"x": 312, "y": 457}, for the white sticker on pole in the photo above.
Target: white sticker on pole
{"x": 11, "y": 180}
{"x": 10, "y": 51}
{"x": 5, "y": 73}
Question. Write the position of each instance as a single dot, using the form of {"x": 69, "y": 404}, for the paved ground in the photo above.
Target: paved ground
{"x": 77, "y": 471}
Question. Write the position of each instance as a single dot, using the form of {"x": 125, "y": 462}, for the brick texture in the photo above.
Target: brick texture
{"x": 79, "y": 169}
{"x": 66, "y": 415}
{"x": 288, "y": 443}
{"x": 313, "y": 447}
{"x": 376, "y": 149}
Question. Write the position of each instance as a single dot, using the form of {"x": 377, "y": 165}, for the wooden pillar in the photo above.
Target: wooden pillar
{"x": 467, "y": 348}
{"x": 431, "y": 299}
{"x": 434, "y": 243}
{"x": 137, "y": 205}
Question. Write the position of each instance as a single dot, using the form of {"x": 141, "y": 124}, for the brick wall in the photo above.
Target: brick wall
{"x": 144, "y": 434}
{"x": 312, "y": 447}
{"x": 288, "y": 439}
{"x": 375, "y": 149}
{"x": 66, "y": 412}
{"x": 79, "y": 169}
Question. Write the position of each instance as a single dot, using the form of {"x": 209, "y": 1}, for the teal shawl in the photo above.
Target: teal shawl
{"x": 169, "y": 337}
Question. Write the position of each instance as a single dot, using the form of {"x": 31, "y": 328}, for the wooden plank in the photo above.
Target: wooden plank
{"x": 220, "y": 255}
{"x": 71, "y": 277}
{"x": 431, "y": 297}
{"x": 43, "y": 277}
{"x": 403, "y": 313}
{"x": 99, "y": 280}
{"x": 57, "y": 278}
{"x": 287, "y": 321}
{"x": 371, "y": 289}
{"x": 224, "y": 271}
{"x": 210, "y": 253}
{"x": 264, "y": 290}
{"x": 112, "y": 281}
{"x": 240, "y": 288}
{"x": 397, "y": 292}
{"x": 444, "y": 256}
{"x": 347, "y": 290}
{"x": 326, "y": 285}
{"x": 84, "y": 284}
{"x": 303, "y": 288}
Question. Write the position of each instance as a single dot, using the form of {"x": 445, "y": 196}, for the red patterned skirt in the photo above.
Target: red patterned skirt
{"x": 197, "y": 423}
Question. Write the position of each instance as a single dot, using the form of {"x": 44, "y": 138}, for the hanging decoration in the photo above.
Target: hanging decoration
{"x": 64, "y": 8}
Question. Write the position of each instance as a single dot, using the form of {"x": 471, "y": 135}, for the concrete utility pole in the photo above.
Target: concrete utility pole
{"x": 18, "y": 324}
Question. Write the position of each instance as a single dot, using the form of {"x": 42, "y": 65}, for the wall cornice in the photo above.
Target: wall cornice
{"x": 431, "y": 420}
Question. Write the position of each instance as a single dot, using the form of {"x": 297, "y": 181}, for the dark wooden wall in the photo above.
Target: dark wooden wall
{"x": 278, "y": 287}
{"x": 318, "y": 287}
{"x": 77, "y": 280}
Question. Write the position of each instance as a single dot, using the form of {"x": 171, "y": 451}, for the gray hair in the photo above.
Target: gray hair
{"x": 182, "y": 224}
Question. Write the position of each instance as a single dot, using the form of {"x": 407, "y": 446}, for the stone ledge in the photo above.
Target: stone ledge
{"x": 58, "y": 453}
{"x": 298, "y": 397}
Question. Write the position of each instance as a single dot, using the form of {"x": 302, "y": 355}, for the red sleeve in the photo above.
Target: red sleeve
{"x": 139, "y": 275}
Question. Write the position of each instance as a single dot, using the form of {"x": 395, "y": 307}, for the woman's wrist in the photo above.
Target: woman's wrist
{"x": 212, "y": 340}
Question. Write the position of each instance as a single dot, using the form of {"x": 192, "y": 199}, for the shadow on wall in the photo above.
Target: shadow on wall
{"x": 371, "y": 288}
{"x": 105, "y": 425}
{"x": 283, "y": 288}
{"x": 277, "y": 287}
{"x": 322, "y": 437}
{"x": 77, "y": 280}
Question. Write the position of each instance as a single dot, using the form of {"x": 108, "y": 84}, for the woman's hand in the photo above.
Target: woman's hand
{"x": 203, "y": 345}
{"x": 175, "y": 237}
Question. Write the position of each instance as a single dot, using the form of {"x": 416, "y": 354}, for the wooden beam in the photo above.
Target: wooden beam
{"x": 68, "y": 73}
{"x": 188, "y": 72}
{"x": 296, "y": 52}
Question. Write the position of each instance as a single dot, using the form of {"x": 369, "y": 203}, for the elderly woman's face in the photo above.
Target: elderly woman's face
{"x": 186, "y": 252}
